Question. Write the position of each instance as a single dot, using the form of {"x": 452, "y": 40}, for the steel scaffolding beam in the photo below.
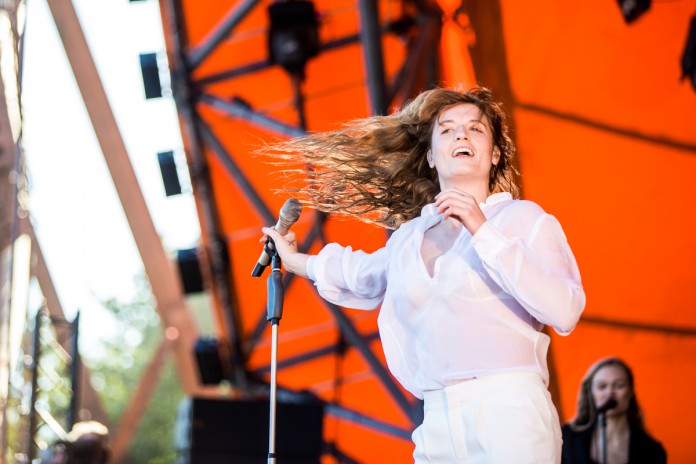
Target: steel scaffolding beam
{"x": 166, "y": 285}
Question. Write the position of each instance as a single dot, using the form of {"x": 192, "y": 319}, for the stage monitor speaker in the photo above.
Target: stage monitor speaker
{"x": 217, "y": 431}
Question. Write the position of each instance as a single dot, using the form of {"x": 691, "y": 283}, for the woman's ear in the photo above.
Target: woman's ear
{"x": 429, "y": 156}
{"x": 496, "y": 155}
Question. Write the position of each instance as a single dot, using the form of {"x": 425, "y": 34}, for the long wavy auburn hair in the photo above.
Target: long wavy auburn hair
{"x": 376, "y": 168}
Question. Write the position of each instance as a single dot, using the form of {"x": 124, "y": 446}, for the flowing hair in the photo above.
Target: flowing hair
{"x": 587, "y": 409}
{"x": 376, "y": 168}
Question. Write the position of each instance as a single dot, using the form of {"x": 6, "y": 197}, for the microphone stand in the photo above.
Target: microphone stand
{"x": 603, "y": 437}
{"x": 274, "y": 313}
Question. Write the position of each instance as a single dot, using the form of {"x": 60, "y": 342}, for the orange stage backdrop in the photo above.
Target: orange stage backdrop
{"x": 606, "y": 136}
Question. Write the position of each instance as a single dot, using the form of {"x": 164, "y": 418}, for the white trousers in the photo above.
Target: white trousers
{"x": 496, "y": 419}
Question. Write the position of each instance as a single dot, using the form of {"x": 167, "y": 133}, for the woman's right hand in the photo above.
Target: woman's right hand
{"x": 286, "y": 245}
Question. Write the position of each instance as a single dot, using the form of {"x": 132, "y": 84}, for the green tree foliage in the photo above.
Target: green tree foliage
{"x": 117, "y": 365}
{"x": 154, "y": 441}
{"x": 52, "y": 394}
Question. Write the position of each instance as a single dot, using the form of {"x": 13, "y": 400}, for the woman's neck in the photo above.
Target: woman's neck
{"x": 479, "y": 191}
{"x": 617, "y": 424}
{"x": 617, "y": 441}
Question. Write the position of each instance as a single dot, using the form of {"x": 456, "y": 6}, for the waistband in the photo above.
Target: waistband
{"x": 471, "y": 388}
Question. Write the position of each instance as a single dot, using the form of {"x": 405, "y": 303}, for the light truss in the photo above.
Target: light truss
{"x": 196, "y": 93}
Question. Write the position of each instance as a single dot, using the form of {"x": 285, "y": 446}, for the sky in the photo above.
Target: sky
{"x": 77, "y": 216}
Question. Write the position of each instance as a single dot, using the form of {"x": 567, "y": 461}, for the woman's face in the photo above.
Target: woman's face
{"x": 612, "y": 382}
{"x": 462, "y": 146}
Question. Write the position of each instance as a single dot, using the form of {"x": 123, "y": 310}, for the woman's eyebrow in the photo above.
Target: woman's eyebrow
{"x": 445, "y": 121}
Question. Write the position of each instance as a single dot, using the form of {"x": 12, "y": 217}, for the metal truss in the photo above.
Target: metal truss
{"x": 419, "y": 25}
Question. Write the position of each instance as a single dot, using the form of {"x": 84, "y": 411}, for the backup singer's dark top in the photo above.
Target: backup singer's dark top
{"x": 643, "y": 449}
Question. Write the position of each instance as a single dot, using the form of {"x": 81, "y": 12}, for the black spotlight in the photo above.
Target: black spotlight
{"x": 688, "y": 61}
{"x": 190, "y": 270}
{"x": 293, "y": 37}
{"x": 170, "y": 176}
{"x": 633, "y": 9}
{"x": 210, "y": 367}
{"x": 151, "y": 78}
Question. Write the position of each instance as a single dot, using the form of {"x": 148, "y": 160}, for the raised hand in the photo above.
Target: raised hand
{"x": 462, "y": 206}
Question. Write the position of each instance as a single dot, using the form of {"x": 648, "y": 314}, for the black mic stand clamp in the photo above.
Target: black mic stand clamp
{"x": 274, "y": 313}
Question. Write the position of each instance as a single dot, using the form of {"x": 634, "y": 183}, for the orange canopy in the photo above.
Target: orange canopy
{"x": 606, "y": 140}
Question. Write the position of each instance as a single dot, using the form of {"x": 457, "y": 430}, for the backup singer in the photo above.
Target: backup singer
{"x": 626, "y": 437}
{"x": 467, "y": 280}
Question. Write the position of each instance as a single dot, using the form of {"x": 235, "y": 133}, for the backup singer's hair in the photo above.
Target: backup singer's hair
{"x": 587, "y": 409}
{"x": 376, "y": 168}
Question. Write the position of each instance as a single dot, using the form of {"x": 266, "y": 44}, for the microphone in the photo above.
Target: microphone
{"x": 289, "y": 214}
{"x": 609, "y": 404}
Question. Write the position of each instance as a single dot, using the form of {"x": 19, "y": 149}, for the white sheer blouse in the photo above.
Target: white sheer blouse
{"x": 482, "y": 310}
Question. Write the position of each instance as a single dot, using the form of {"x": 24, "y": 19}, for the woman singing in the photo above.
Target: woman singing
{"x": 466, "y": 282}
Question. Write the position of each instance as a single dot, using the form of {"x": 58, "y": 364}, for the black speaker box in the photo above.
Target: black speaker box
{"x": 235, "y": 431}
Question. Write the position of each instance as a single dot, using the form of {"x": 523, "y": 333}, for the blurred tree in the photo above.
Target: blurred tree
{"x": 117, "y": 364}
{"x": 52, "y": 394}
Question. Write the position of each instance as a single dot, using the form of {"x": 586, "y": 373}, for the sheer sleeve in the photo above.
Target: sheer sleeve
{"x": 535, "y": 265}
{"x": 354, "y": 279}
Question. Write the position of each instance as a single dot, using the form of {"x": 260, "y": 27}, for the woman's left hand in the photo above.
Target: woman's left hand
{"x": 461, "y": 206}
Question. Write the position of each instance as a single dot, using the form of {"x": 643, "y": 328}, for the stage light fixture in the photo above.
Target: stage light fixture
{"x": 210, "y": 367}
{"x": 170, "y": 175}
{"x": 688, "y": 61}
{"x": 633, "y": 9}
{"x": 151, "y": 77}
{"x": 293, "y": 37}
{"x": 190, "y": 270}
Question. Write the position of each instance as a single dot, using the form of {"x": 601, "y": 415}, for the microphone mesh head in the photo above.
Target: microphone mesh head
{"x": 609, "y": 404}
{"x": 289, "y": 214}
{"x": 291, "y": 209}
